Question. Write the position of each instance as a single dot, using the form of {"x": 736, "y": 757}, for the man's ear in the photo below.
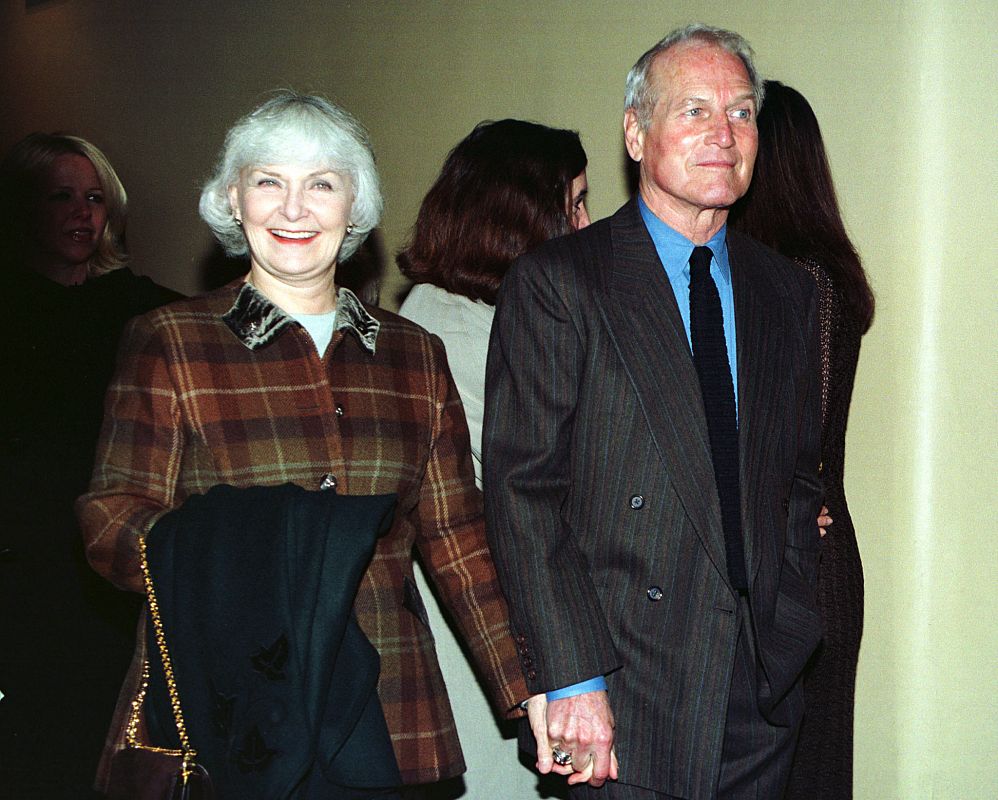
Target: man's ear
{"x": 634, "y": 135}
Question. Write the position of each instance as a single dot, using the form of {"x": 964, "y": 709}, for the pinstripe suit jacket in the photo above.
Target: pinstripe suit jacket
{"x": 227, "y": 389}
{"x": 600, "y": 494}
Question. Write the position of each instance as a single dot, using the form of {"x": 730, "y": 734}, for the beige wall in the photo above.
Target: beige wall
{"x": 906, "y": 93}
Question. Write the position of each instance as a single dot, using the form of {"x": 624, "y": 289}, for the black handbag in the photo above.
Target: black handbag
{"x": 143, "y": 772}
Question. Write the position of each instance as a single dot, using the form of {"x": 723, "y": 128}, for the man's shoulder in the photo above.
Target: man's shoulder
{"x": 783, "y": 275}
{"x": 579, "y": 256}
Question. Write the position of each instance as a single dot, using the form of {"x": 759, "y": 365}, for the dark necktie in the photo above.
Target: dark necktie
{"x": 710, "y": 355}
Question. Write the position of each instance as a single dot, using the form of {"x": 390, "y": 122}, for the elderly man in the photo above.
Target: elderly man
{"x": 651, "y": 468}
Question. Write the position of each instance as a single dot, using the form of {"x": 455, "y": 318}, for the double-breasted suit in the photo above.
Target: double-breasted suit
{"x": 603, "y": 512}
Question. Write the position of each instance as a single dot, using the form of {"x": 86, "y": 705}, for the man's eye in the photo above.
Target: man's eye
{"x": 742, "y": 113}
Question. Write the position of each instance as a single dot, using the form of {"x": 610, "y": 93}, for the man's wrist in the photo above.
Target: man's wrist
{"x": 597, "y": 684}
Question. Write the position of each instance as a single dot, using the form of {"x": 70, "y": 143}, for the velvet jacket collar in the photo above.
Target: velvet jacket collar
{"x": 258, "y": 322}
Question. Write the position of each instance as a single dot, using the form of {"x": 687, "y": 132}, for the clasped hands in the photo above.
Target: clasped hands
{"x": 582, "y": 726}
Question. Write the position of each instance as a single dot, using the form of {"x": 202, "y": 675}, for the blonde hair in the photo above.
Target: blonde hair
{"x": 25, "y": 165}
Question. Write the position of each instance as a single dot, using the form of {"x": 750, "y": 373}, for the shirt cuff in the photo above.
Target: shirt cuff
{"x": 596, "y": 684}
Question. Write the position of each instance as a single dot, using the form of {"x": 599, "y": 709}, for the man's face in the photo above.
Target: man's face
{"x": 699, "y": 148}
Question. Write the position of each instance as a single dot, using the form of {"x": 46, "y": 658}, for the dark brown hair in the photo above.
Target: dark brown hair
{"x": 791, "y": 204}
{"x": 501, "y": 191}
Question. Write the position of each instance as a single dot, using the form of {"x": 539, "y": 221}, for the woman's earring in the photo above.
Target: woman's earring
{"x": 239, "y": 222}
{"x": 350, "y": 227}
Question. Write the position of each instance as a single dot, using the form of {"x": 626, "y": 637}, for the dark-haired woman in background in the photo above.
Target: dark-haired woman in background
{"x": 505, "y": 188}
{"x": 791, "y": 206}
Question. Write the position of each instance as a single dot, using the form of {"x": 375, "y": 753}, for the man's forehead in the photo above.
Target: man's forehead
{"x": 688, "y": 64}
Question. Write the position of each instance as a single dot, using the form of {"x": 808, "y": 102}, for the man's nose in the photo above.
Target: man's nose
{"x": 720, "y": 131}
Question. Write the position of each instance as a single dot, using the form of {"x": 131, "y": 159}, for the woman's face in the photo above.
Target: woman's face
{"x": 295, "y": 219}
{"x": 578, "y": 214}
{"x": 70, "y": 216}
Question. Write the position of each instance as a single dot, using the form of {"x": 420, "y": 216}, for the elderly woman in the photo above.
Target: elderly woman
{"x": 282, "y": 377}
{"x": 67, "y": 296}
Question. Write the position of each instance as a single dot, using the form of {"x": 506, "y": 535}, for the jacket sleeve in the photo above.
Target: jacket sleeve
{"x": 138, "y": 457}
{"x": 536, "y": 367}
{"x": 455, "y": 551}
{"x": 803, "y": 540}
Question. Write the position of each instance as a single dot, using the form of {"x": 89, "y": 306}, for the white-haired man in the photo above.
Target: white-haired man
{"x": 652, "y": 506}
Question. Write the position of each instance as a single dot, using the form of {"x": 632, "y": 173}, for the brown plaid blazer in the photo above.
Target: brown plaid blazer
{"x": 226, "y": 388}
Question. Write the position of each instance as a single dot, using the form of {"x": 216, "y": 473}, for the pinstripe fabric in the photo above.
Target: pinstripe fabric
{"x": 602, "y": 490}
{"x": 199, "y": 400}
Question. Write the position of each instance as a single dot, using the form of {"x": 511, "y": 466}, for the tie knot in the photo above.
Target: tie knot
{"x": 700, "y": 259}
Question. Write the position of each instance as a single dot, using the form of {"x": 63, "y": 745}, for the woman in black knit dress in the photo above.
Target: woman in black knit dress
{"x": 791, "y": 206}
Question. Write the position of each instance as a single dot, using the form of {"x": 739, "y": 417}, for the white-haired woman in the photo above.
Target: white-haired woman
{"x": 283, "y": 377}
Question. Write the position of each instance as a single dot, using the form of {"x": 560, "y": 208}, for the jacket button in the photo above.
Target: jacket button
{"x": 328, "y": 482}
{"x": 531, "y": 675}
{"x": 655, "y": 594}
{"x": 340, "y": 410}
{"x": 528, "y": 662}
{"x": 637, "y": 502}
{"x": 786, "y": 505}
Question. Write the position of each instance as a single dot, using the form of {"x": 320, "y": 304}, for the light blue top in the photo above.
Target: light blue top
{"x": 320, "y": 327}
{"x": 674, "y": 252}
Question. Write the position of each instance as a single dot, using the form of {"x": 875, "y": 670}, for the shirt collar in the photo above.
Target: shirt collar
{"x": 675, "y": 249}
{"x": 258, "y": 322}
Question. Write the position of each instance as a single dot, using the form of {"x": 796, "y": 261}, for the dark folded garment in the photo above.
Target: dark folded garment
{"x": 276, "y": 679}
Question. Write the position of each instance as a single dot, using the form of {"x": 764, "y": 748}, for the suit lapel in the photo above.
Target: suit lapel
{"x": 759, "y": 335}
{"x": 639, "y": 309}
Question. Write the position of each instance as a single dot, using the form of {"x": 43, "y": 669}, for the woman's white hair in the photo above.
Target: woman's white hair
{"x": 301, "y": 129}
{"x": 642, "y": 96}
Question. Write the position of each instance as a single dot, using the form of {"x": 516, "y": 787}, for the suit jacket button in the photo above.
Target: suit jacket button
{"x": 531, "y": 675}
{"x": 786, "y": 505}
{"x": 655, "y": 594}
{"x": 637, "y": 502}
{"x": 328, "y": 482}
{"x": 340, "y": 411}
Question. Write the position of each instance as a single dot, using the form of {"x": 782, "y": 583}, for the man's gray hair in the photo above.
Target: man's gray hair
{"x": 300, "y": 129}
{"x": 642, "y": 96}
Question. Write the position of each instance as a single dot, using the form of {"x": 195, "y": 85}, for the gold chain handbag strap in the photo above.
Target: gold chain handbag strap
{"x": 187, "y": 752}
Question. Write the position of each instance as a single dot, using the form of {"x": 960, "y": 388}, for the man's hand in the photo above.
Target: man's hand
{"x": 583, "y": 726}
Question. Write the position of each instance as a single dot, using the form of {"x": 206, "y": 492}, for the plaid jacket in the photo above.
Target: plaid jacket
{"x": 226, "y": 388}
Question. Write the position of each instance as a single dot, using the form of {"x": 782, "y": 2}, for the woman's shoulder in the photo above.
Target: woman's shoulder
{"x": 443, "y": 312}
{"x": 210, "y": 306}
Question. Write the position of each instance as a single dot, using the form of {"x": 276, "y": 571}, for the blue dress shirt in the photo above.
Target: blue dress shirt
{"x": 674, "y": 252}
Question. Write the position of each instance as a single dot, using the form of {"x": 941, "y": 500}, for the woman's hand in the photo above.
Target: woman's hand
{"x": 824, "y": 521}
